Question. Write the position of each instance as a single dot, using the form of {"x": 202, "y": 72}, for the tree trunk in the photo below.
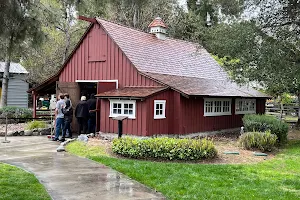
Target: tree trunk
{"x": 281, "y": 108}
{"x": 5, "y": 79}
{"x": 3, "y": 102}
{"x": 298, "y": 122}
{"x": 135, "y": 16}
{"x": 67, "y": 45}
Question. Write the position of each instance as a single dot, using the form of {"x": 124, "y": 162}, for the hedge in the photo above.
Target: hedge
{"x": 15, "y": 112}
{"x": 164, "y": 148}
{"x": 264, "y": 141}
{"x": 262, "y": 123}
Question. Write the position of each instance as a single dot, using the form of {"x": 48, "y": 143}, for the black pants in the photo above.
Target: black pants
{"x": 92, "y": 124}
{"x": 67, "y": 126}
{"x": 82, "y": 125}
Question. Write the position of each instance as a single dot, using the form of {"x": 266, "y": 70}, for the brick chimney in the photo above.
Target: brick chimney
{"x": 159, "y": 28}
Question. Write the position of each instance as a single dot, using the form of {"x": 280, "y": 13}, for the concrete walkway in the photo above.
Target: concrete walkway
{"x": 70, "y": 177}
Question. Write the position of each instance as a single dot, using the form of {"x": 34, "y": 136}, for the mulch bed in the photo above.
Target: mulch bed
{"x": 223, "y": 142}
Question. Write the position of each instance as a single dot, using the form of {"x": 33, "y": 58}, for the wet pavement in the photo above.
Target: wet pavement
{"x": 70, "y": 177}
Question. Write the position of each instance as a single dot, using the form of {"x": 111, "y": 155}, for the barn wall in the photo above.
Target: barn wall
{"x": 135, "y": 126}
{"x": 99, "y": 58}
{"x": 17, "y": 92}
{"x": 194, "y": 120}
{"x": 162, "y": 126}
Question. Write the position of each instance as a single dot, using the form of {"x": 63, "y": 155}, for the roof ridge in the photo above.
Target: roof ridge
{"x": 227, "y": 78}
{"x": 118, "y": 23}
{"x": 139, "y": 30}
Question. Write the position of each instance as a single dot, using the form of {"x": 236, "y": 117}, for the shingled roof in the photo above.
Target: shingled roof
{"x": 182, "y": 65}
{"x": 131, "y": 92}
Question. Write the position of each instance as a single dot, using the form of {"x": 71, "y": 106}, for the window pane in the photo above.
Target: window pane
{"x": 157, "y": 106}
{"x": 130, "y": 112}
{"x": 131, "y": 106}
{"x": 160, "y": 106}
{"x": 208, "y": 106}
{"x": 157, "y": 112}
{"x": 125, "y": 111}
{"x": 226, "y": 106}
{"x": 218, "y": 106}
{"x": 115, "y": 105}
{"x": 115, "y": 111}
{"x": 125, "y": 105}
{"x": 160, "y": 112}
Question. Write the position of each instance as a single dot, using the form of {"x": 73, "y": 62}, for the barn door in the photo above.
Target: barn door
{"x": 73, "y": 90}
{"x": 102, "y": 87}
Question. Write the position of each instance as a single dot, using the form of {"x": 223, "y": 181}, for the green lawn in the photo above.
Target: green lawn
{"x": 17, "y": 184}
{"x": 278, "y": 178}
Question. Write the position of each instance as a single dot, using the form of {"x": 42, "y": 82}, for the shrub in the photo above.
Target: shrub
{"x": 262, "y": 123}
{"x": 164, "y": 148}
{"x": 15, "y": 112}
{"x": 264, "y": 141}
{"x": 35, "y": 124}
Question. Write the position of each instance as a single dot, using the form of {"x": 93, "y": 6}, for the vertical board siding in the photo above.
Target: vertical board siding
{"x": 194, "y": 120}
{"x": 17, "y": 92}
{"x": 130, "y": 126}
{"x": 99, "y": 58}
{"x": 161, "y": 126}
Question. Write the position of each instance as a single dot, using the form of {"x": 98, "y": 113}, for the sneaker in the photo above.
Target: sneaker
{"x": 54, "y": 139}
{"x": 62, "y": 140}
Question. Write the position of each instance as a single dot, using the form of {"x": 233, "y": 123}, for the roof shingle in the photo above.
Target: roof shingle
{"x": 131, "y": 92}
{"x": 170, "y": 56}
{"x": 206, "y": 87}
{"x": 15, "y": 68}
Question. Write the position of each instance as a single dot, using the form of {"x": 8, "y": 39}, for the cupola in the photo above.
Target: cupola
{"x": 159, "y": 28}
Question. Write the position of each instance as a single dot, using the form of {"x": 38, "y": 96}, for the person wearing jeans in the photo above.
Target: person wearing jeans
{"x": 59, "y": 120}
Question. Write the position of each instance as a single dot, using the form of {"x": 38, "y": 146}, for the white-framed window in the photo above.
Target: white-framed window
{"x": 159, "y": 109}
{"x": 122, "y": 108}
{"x": 245, "y": 106}
{"x": 217, "y": 106}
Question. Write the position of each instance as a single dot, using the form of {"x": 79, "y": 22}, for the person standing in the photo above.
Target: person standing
{"x": 67, "y": 98}
{"x": 59, "y": 119}
{"x": 68, "y": 116}
{"x": 82, "y": 115}
{"x": 92, "y": 114}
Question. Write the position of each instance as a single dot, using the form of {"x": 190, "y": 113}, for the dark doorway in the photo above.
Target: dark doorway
{"x": 86, "y": 89}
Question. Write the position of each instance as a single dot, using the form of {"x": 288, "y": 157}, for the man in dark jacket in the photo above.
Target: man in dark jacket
{"x": 68, "y": 116}
{"x": 82, "y": 115}
{"x": 92, "y": 113}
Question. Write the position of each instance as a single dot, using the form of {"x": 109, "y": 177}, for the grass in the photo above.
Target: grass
{"x": 83, "y": 150}
{"x": 17, "y": 184}
{"x": 278, "y": 178}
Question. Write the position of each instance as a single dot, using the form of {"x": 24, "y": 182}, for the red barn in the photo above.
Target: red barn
{"x": 163, "y": 85}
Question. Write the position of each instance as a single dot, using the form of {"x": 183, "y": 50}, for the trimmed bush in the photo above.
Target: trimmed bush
{"x": 15, "y": 112}
{"x": 262, "y": 123}
{"x": 35, "y": 124}
{"x": 164, "y": 148}
{"x": 264, "y": 141}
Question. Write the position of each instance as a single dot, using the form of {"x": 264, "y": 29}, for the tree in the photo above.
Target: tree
{"x": 20, "y": 29}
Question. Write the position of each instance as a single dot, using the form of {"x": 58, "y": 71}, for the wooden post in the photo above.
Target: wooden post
{"x": 34, "y": 104}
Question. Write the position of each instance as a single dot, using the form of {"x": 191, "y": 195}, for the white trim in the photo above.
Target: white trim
{"x": 96, "y": 81}
{"x": 207, "y": 114}
{"x": 245, "y": 111}
{"x": 163, "y": 115}
{"x": 122, "y": 102}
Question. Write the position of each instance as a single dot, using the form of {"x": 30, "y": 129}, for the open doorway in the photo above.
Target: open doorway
{"x": 88, "y": 88}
